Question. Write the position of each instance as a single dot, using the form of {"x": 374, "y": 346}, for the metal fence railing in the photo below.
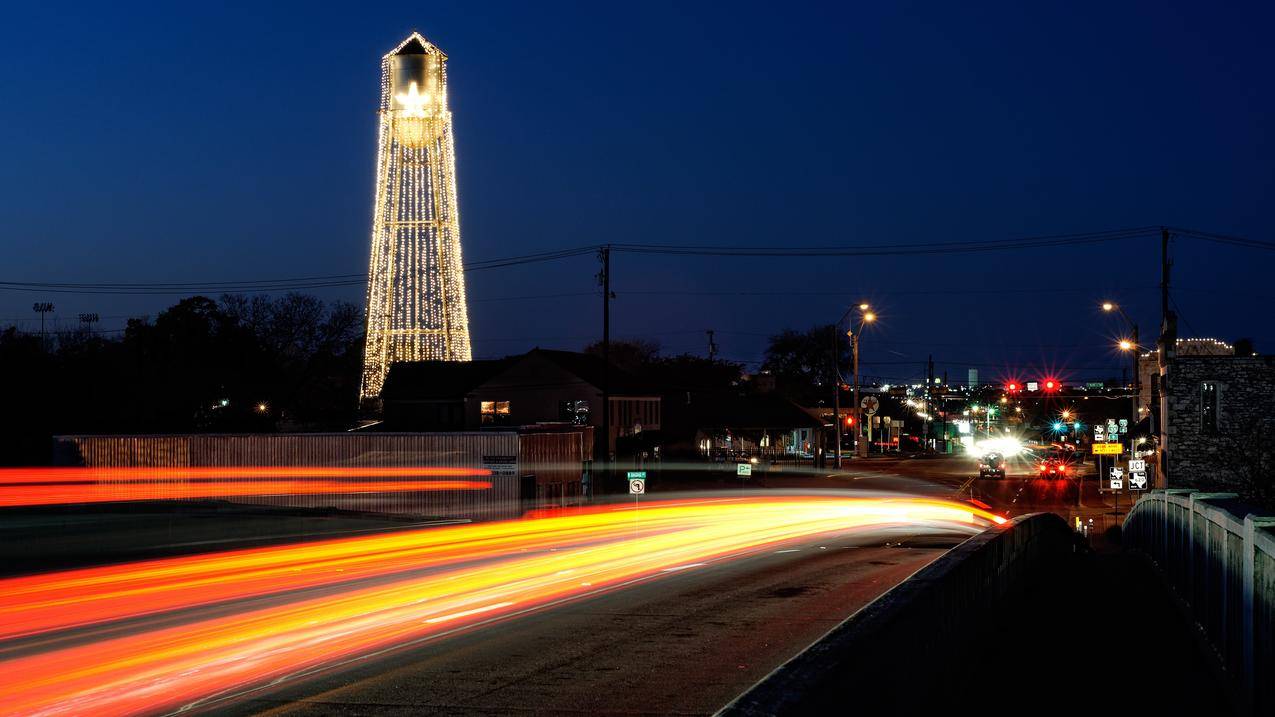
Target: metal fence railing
{"x": 1220, "y": 558}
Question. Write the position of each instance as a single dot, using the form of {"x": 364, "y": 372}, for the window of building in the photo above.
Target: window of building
{"x": 1208, "y": 407}
{"x": 494, "y": 413}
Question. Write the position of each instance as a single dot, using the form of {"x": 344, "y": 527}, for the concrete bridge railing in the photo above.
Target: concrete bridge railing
{"x": 927, "y": 623}
{"x": 1220, "y": 559}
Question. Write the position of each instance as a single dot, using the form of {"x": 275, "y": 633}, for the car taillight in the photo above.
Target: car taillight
{"x": 1043, "y": 467}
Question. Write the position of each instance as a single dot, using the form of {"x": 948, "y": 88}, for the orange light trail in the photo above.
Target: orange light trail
{"x": 301, "y": 607}
{"x": 58, "y": 486}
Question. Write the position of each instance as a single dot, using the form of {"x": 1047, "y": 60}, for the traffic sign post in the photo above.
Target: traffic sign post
{"x": 637, "y": 486}
{"x": 870, "y": 406}
{"x": 1117, "y": 478}
{"x": 744, "y": 469}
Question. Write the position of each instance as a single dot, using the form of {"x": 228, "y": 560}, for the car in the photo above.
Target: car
{"x": 991, "y": 465}
{"x": 1055, "y": 468}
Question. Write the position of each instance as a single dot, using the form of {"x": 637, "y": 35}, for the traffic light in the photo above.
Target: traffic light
{"x": 1012, "y": 387}
{"x": 1051, "y": 385}
{"x": 849, "y": 421}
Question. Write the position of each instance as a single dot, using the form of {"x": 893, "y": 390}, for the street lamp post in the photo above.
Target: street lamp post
{"x": 867, "y": 317}
{"x": 861, "y": 448}
{"x": 1131, "y": 345}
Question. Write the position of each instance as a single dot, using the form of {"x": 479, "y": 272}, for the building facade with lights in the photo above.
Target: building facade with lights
{"x": 416, "y": 308}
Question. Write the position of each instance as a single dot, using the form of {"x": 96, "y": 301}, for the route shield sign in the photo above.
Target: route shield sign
{"x": 870, "y": 404}
{"x": 1117, "y": 478}
{"x": 637, "y": 486}
{"x": 1138, "y": 480}
{"x": 1124, "y": 425}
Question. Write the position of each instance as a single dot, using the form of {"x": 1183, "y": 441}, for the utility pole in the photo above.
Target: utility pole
{"x": 605, "y": 255}
{"x": 712, "y": 345}
{"x": 929, "y": 383}
{"x": 1168, "y": 348}
{"x": 836, "y": 387}
{"x": 42, "y": 308}
{"x": 87, "y": 321}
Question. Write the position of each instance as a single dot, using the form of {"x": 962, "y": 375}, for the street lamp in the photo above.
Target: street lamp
{"x": 1129, "y": 345}
{"x": 867, "y": 318}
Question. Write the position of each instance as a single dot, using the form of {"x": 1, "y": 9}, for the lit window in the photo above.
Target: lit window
{"x": 494, "y": 412}
{"x": 1208, "y": 407}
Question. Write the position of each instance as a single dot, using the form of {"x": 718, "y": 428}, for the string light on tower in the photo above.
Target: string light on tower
{"x": 416, "y": 307}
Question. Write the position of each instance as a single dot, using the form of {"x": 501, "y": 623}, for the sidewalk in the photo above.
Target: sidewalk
{"x": 1099, "y": 635}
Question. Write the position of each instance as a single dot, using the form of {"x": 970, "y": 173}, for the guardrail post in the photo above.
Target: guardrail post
{"x": 1257, "y": 569}
{"x": 1208, "y": 566}
{"x": 1178, "y": 534}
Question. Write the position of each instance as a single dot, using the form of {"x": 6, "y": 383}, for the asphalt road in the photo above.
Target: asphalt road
{"x": 685, "y": 643}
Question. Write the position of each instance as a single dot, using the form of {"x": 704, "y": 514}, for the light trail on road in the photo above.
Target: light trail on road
{"x": 60, "y": 486}
{"x": 165, "y": 635}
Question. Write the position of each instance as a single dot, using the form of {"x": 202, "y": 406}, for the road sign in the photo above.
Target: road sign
{"x": 1117, "y": 478}
{"x": 1138, "y": 480}
{"x": 1033, "y": 386}
{"x": 637, "y": 486}
{"x": 1099, "y": 433}
{"x": 1106, "y": 449}
{"x": 1124, "y": 425}
{"x": 870, "y": 404}
{"x": 640, "y": 475}
{"x": 1137, "y": 465}
{"x": 743, "y": 469}
{"x": 1112, "y": 428}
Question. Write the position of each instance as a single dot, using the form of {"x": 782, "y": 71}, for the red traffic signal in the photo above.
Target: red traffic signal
{"x": 1012, "y": 387}
{"x": 1050, "y": 385}
{"x": 849, "y": 420}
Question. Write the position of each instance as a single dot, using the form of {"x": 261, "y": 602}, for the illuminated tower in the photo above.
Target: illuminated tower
{"x": 415, "y": 289}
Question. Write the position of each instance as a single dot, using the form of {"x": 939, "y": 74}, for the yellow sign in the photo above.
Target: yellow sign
{"x": 1107, "y": 449}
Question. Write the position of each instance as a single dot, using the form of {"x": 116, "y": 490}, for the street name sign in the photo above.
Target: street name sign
{"x": 637, "y": 486}
{"x": 744, "y": 469}
{"x": 640, "y": 475}
{"x": 1107, "y": 449}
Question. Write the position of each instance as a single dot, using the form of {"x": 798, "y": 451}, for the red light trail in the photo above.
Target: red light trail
{"x": 59, "y": 486}
{"x": 297, "y": 608}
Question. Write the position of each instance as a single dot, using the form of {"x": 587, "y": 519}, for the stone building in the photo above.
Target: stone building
{"x": 1220, "y": 417}
{"x": 1149, "y": 368}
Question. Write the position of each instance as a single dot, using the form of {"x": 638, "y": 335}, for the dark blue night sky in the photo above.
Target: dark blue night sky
{"x": 187, "y": 142}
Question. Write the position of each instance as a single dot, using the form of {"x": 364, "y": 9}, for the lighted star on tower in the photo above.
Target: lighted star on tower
{"x": 413, "y": 101}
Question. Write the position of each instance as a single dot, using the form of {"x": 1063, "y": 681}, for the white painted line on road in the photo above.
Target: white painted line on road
{"x": 467, "y": 613}
{"x": 676, "y": 568}
{"x": 790, "y": 550}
